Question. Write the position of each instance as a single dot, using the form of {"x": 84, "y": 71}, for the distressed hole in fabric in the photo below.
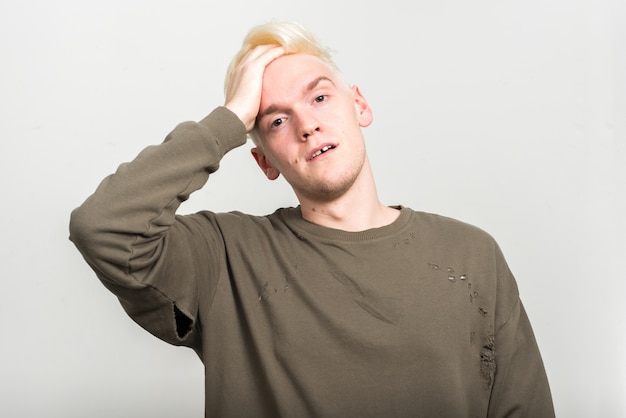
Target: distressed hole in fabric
{"x": 183, "y": 322}
{"x": 265, "y": 294}
{"x": 488, "y": 361}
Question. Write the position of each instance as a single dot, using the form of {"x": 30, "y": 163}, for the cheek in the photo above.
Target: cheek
{"x": 346, "y": 117}
{"x": 279, "y": 156}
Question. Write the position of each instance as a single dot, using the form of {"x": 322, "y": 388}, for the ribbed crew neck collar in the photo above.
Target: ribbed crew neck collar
{"x": 293, "y": 218}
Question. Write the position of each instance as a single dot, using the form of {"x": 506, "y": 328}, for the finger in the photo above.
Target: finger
{"x": 258, "y": 50}
{"x": 263, "y": 54}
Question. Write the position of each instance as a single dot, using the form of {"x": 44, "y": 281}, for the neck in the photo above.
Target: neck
{"x": 358, "y": 209}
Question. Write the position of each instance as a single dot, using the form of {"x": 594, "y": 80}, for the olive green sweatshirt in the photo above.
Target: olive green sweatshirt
{"x": 419, "y": 318}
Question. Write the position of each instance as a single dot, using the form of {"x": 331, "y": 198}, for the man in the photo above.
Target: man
{"x": 340, "y": 307}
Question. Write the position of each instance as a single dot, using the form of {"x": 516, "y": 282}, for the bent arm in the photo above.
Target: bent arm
{"x": 128, "y": 225}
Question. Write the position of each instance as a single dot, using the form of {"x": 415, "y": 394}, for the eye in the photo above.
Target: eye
{"x": 276, "y": 123}
{"x": 321, "y": 98}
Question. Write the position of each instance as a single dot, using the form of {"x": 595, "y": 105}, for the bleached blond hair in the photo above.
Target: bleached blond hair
{"x": 292, "y": 36}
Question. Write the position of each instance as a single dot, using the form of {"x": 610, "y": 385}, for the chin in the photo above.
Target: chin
{"x": 328, "y": 191}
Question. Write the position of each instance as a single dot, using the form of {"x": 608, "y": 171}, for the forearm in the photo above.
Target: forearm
{"x": 119, "y": 228}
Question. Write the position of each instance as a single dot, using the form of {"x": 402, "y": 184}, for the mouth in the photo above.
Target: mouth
{"x": 321, "y": 151}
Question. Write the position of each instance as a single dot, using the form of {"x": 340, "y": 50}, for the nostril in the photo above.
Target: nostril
{"x": 306, "y": 133}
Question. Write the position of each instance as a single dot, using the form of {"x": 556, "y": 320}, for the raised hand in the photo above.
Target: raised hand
{"x": 243, "y": 96}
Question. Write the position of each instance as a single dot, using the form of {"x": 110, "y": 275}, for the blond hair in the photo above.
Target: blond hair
{"x": 293, "y": 37}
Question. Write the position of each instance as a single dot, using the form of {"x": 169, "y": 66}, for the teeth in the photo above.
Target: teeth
{"x": 321, "y": 151}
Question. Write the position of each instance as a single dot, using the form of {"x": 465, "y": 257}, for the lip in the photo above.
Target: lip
{"x": 315, "y": 153}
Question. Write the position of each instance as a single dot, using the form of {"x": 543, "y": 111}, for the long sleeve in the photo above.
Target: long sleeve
{"x": 129, "y": 226}
{"x": 520, "y": 386}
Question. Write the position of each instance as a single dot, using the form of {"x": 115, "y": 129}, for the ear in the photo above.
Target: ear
{"x": 363, "y": 109}
{"x": 267, "y": 168}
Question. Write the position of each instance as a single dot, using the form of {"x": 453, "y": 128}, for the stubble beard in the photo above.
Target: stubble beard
{"x": 324, "y": 191}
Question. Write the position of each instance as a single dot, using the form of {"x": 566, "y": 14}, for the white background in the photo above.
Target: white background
{"x": 507, "y": 115}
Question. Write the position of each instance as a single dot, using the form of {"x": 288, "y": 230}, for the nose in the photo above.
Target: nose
{"x": 307, "y": 134}
{"x": 309, "y": 125}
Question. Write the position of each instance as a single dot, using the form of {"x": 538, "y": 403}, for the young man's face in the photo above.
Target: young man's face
{"x": 309, "y": 125}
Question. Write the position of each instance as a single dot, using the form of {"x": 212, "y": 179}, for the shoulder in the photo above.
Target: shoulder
{"x": 471, "y": 251}
{"x": 450, "y": 229}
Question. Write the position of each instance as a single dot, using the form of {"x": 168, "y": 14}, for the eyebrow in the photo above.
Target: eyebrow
{"x": 315, "y": 82}
{"x": 310, "y": 86}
